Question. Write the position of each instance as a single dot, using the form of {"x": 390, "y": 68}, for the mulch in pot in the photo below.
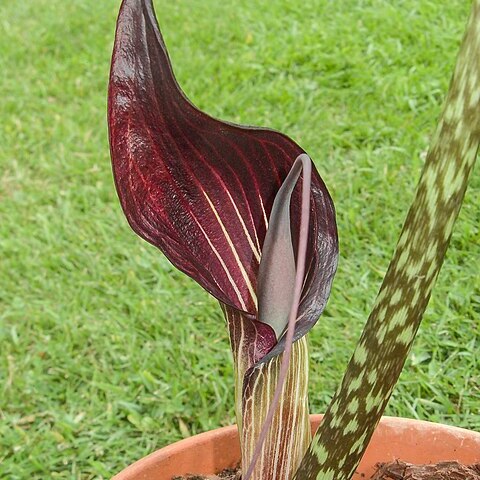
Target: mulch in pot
{"x": 441, "y": 471}
{"x": 227, "y": 474}
{"x": 385, "y": 471}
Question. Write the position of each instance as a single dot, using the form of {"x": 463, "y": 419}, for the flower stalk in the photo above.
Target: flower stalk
{"x": 289, "y": 433}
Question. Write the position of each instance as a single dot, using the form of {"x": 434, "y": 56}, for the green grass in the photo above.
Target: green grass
{"x": 107, "y": 352}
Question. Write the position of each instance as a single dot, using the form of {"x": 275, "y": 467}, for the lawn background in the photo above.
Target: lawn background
{"x": 107, "y": 352}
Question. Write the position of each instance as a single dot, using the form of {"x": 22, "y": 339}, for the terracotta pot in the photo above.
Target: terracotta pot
{"x": 395, "y": 438}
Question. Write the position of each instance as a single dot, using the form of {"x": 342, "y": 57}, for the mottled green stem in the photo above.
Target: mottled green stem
{"x": 388, "y": 335}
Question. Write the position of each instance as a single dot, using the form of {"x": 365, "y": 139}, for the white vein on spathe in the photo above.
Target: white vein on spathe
{"x": 247, "y": 281}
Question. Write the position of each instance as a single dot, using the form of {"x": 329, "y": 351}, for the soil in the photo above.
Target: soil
{"x": 227, "y": 474}
{"x": 386, "y": 471}
{"x": 441, "y": 471}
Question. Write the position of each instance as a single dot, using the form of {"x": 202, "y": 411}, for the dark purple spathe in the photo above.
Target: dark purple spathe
{"x": 199, "y": 189}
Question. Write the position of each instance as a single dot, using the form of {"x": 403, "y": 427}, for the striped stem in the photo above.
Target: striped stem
{"x": 290, "y": 433}
{"x": 388, "y": 335}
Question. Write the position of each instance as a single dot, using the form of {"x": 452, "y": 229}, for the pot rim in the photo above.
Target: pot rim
{"x": 416, "y": 430}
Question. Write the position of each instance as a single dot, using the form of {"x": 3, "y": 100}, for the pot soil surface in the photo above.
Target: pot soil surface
{"x": 386, "y": 471}
{"x": 440, "y": 471}
{"x": 227, "y": 474}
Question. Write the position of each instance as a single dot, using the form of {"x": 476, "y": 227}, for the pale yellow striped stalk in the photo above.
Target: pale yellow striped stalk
{"x": 290, "y": 434}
